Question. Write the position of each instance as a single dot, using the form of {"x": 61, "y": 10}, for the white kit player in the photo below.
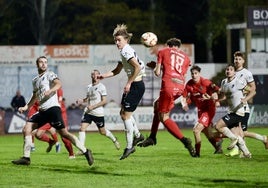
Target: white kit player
{"x": 96, "y": 98}
{"x": 244, "y": 74}
{"x": 133, "y": 89}
{"x": 45, "y": 87}
{"x": 232, "y": 91}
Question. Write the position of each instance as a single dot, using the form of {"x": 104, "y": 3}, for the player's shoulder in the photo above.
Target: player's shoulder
{"x": 190, "y": 83}
{"x": 49, "y": 72}
{"x": 127, "y": 48}
{"x": 101, "y": 85}
{"x": 35, "y": 78}
{"x": 164, "y": 50}
{"x": 244, "y": 71}
{"x": 89, "y": 86}
{"x": 50, "y": 75}
{"x": 224, "y": 81}
{"x": 205, "y": 80}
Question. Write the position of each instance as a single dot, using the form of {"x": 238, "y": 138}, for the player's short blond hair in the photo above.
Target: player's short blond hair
{"x": 121, "y": 30}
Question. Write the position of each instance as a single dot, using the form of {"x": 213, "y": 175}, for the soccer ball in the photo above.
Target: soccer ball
{"x": 148, "y": 39}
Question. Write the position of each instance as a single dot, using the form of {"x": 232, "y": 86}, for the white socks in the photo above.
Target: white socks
{"x": 227, "y": 132}
{"x": 136, "y": 130}
{"x": 110, "y": 135}
{"x": 242, "y": 145}
{"x": 27, "y": 146}
{"x": 129, "y": 132}
{"x": 79, "y": 144}
{"x": 82, "y": 137}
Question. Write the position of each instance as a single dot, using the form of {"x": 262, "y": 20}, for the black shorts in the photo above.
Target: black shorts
{"x": 52, "y": 116}
{"x": 88, "y": 118}
{"x": 131, "y": 100}
{"x": 244, "y": 122}
{"x": 232, "y": 120}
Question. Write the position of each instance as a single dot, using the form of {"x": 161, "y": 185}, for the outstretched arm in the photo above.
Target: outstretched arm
{"x": 112, "y": 73}
{"x": 29, "y": 104}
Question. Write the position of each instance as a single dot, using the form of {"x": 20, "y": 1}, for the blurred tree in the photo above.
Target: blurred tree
{"x": 42, "y": 20}
{"x": 93, "y": 22}
{"x": 202, "y": 22}
{"x": 4, "y": 4}
{"x": 7, "y": 20}
{"x": 29, "y": 22}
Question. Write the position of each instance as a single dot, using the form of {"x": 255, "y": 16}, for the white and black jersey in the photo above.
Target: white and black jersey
{"x": 245, "y": 75}
{"x": 233, "y": 91}
{"x": 94, "y": 95}
{"x": 41, "y": 84}
{"x": 126, "y": 54}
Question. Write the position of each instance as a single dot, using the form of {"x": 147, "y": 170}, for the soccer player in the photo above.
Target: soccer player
{"x": 45, "y": 86}
{"x": 203, "y": 93}
{"x": 232, "y": 91}
{"x": 243, "y": 73}
{"x": 151, "y": 140}
{"x": 173, "y": 63}
{"x": 134, "y": 87}
{"x": 96, "y": 99}
{"x": 40, "y": 133}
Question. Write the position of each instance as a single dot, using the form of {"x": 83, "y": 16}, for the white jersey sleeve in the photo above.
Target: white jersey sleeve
{"x": 41, "y": 84}
{"x": 233, "y": 91}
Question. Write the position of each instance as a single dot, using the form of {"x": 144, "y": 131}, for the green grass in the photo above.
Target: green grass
{"x": 167, "y": 164}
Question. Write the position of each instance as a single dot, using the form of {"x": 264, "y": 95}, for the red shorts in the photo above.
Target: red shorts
{"x": 206, "y": 117}
{"x": 166, "y": 100}
{"x": 45, "y": 127}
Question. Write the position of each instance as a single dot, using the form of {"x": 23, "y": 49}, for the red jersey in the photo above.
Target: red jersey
{"x": 33, "y": 109}
{"x": 62, "y": 106}
{"x": 206, "y": 108}
{"x": 196, "y": 90}
{"x": 60, "y": 97}
{"x": 175, "y": 64}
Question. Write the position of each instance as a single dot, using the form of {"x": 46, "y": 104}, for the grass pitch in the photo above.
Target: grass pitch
{"x": 168, "y": 164}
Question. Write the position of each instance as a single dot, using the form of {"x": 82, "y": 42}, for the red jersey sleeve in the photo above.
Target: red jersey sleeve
{"x": 60, "y": 93}
{"x": 33, "y": 109}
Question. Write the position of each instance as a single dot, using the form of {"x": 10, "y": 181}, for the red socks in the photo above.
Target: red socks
{"x": 173, "y": 128}
{"x": 68, "y": 146}
{"x": 197, "y": 148}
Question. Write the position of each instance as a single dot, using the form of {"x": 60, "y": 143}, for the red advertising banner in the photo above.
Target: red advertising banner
{"x": 67, "y": 51}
